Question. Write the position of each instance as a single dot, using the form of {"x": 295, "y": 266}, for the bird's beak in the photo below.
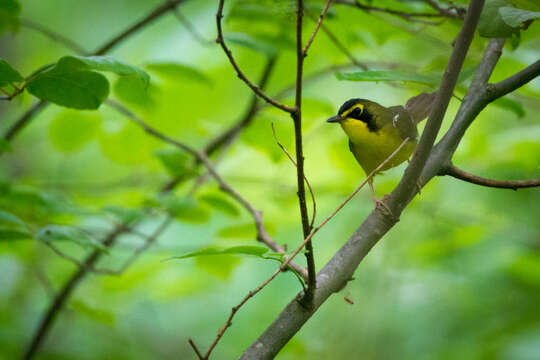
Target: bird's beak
{"x": 334, "y": 119}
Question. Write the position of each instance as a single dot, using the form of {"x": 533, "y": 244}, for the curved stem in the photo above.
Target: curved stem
{"x": 457, "y": 173}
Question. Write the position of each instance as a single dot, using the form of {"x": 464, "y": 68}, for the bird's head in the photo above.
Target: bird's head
{"x": 356, "y": 112}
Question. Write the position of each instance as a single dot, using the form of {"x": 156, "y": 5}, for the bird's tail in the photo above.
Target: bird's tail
{"x": 420, "y": 106}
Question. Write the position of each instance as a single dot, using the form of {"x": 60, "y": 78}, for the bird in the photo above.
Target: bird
{"x": 375, "y": 131}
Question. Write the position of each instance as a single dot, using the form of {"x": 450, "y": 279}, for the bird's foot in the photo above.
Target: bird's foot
{"x": 382, "y": 203}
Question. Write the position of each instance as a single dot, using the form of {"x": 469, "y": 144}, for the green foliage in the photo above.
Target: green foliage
{"x": 388, "y": 76}
{"x": 243, "y": 250}
{"x": 56, "y": 233}
{"x": 71, "y": 130}
{"x": 516, "y": 17}
{"x": 220, "y": 203}
{"x": 176, "y": 162}
{"x": 8, "y": 74}
{"x": 185, "y": 209}
{"x": 178, "y": 72}
{"x": 492, "y": 22}
{"x": 73, "y": 81}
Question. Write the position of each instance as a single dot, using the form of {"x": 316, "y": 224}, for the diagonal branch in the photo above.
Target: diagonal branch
{"x": 457, "y": 173}
{"x": 495, "y": 91}
{"x": 313, "y": 216}
{"x": 288, "y": 259}
{"x": 257, "y": 90}
{"x": 317, "y": 26}
{"x": 339, "y": 270}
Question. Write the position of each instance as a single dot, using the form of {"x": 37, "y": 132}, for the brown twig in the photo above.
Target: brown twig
{"x": 196, "y": 349}
{"x": 191, "y": 29}
{"x": 262, "y": 234}
{"x": 220, "y": 40}
{"x": 317, "y": 26}
{"x": 296, "y": 115}
{"x": 457, "y": 173}
{"x": 441, "y": 13}
{"x": 288, "y": 259}
{"x": 338, "y": 44}
{"x": 305, "y": 178}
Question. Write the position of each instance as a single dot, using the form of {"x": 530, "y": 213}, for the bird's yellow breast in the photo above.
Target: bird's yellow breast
{"x": 371, "y": 148}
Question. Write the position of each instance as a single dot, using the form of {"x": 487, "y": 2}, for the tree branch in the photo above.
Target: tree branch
{"x": 441, "y": 13}
{"x": 495, "y": 91}
{"x": 317, "y": 26}
{"x": 339, "y": 270}
{"x": 457, "y": 173}
{"x": 257, "y": 90}
{"x": 297, "y": 119}
{"x": 60, "y": 300}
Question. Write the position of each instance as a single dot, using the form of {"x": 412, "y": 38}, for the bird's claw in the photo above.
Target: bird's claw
{"x": 380, "y": 202}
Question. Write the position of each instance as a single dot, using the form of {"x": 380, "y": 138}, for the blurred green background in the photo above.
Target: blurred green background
{"x": 457, "y": 278}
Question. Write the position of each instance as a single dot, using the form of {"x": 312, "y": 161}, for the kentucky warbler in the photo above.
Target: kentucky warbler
{"x": 375, "y": 131}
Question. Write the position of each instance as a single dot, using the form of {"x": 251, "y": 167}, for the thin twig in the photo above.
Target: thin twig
{"x": 289, "y": 258}
{"x": 338, "y": 44}
{"x": 457, "y": 173}
{"x": 299, "y": 152}
{"x": 305, "y": 178}
{"x": 402, "y": 14}
{"x": 220, "y": 40}
{"x": 262, "y": 234}
{"x": 196, "y": 349}
{"x": 317, "y": 26}
{"x": 191, "y": 29}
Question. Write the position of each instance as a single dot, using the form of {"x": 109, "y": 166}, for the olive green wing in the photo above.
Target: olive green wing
{"x": 402, "y": 121}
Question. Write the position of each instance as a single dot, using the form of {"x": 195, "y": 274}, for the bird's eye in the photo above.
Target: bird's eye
{"x": 357, "y": 112}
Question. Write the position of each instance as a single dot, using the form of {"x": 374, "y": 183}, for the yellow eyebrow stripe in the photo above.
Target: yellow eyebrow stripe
{"x": 359, "y": 106}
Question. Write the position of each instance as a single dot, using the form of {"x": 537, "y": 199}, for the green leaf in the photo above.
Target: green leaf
{"x": 184, "y": 208}
{"x": 8, "y": 234}
{"x": 251, "y": 43}
{"x": 72, "y": 82}
{"x": 221, "y": 204}
{"x": 103, "y": 63}
{"x": 516, "y": 17}
{"x": 511, "y": 105}
{"x": 388, "y": 75}
{"x": 251, "y": 250}
{"x": 97, "y": 315}
{"x": 219, "y": 266}
{"x": 491, "y": 23}
{"x": 132, "y": 90}
{"x": 54, "y": 233}
{"x": 78, "y": 89}
{"x": 178, "y": 72}
{"x": 7, "y": 218}
{"x": 8, "y": 74}
{"x": 176, "y": 162}
{"x": 71, "y": 130}
{"x": 9, "y": 15}
{"x": 125, "y": 215}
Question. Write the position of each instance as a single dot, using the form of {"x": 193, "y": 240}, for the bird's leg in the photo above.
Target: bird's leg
{"x": 376, "y": 200}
